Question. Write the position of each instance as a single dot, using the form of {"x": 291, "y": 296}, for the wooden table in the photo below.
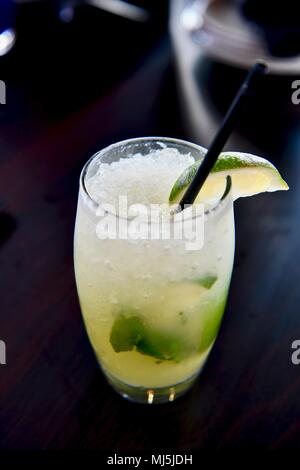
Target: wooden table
{"x": 52, "y": 393}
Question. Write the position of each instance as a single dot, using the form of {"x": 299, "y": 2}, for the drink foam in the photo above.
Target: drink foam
{"x": 144, "y": 179}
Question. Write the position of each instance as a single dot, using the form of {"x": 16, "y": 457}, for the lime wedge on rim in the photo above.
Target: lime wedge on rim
{"x": 250, "y": 175}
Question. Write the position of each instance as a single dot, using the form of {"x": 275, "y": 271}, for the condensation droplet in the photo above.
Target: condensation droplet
{"x": 108, "y": 264}
{"x": 114, "y": 300}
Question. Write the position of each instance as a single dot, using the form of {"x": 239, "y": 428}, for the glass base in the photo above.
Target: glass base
{"x": 149, "y": 395}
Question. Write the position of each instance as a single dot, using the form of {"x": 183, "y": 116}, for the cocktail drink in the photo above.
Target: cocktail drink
{"x": 151, "y": 306}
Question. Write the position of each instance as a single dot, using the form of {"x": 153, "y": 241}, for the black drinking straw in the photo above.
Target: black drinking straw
{"x": 255, "y": 73}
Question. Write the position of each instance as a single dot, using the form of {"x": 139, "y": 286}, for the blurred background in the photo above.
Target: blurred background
{"x": 79, "y": 75}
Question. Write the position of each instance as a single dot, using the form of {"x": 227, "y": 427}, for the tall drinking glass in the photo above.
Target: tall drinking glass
{"x": 152, "y": 308}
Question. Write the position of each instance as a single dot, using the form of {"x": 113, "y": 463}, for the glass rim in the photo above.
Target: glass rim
{"x": 94, "y": 205}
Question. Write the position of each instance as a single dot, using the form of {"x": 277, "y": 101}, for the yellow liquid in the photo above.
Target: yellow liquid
{"x": 156, "y": 281}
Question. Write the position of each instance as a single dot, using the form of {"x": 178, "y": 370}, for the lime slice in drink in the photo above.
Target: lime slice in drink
{"x": 250, "y": 175}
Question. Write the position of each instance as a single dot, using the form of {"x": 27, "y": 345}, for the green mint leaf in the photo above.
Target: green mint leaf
{"x": 130, "y": 332}
{"x": 207, "y": 281}
{"x": 126, "y": 332}
{"x": 161, "y": 346}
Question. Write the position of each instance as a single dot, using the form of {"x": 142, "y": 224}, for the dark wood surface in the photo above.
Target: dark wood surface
{"x": 52, "y": 393}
